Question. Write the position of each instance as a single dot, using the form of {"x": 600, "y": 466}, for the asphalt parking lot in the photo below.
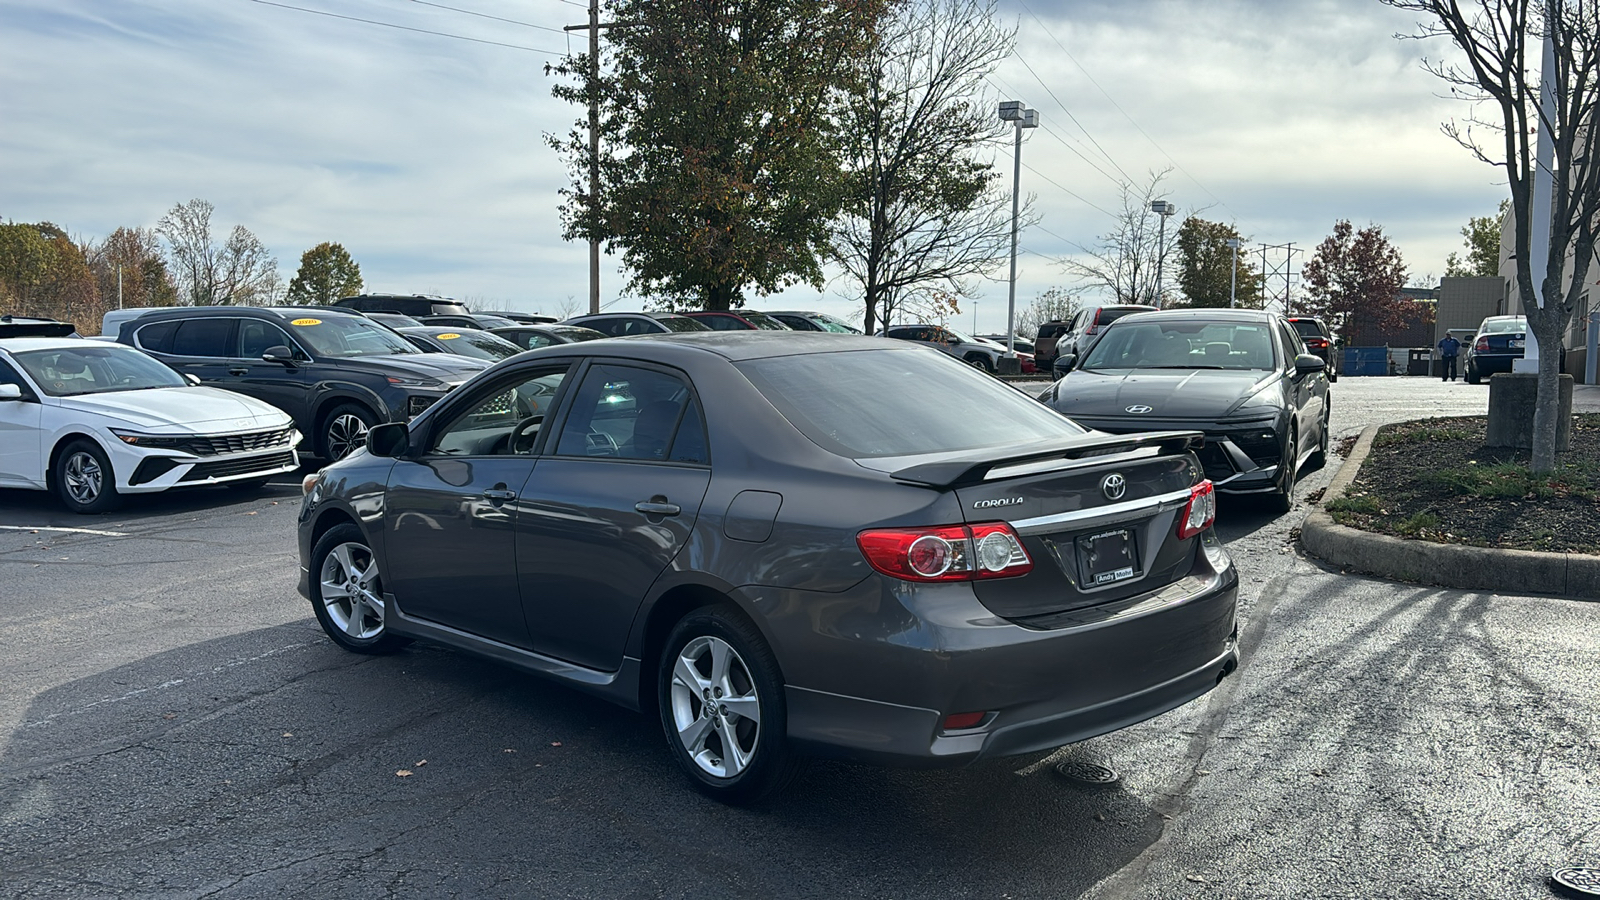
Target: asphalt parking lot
{"x": 174, "y": 724}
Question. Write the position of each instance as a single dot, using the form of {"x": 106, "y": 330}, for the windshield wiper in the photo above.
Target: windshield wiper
{"x": 1183, "y": 367}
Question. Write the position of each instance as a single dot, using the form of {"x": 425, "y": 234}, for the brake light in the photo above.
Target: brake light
{"x": 1316, "y": 343}
{"x": 1482, "y": 346}
{"x": 1199, "y": 512}
{"x": 946, "y": 553}
{"x": 1094, "y": 324}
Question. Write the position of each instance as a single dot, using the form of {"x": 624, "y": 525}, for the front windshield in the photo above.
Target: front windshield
{"x": 762, "y": 321}
{"x": 1504, "y": 326}
{"x": 681, "y": 323}
{"x": 347, "y": 336}
{"x": 572, "y": 334}
{"x": 488, "y": 320}
{"x": 95, "y": 370}
{"x": 477, "y": 344}
{"x": 1186, "y": 344}
{"x": 837, "y": 326}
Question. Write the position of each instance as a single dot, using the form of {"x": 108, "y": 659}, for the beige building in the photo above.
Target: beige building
{"x": 1576, "y": 339}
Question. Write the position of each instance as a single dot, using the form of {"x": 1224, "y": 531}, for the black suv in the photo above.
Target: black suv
{"x": 406, "y": 304}
{"x": 337, "y": 373}
{"x": 1319, "y": 341}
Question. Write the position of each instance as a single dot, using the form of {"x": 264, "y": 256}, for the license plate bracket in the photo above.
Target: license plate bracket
{"x": 1108, "y": 557}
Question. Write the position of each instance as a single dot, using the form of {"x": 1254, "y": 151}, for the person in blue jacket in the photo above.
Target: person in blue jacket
{"x": 1448, "y": 348}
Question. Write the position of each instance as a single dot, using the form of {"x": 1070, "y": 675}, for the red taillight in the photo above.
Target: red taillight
{"x": 1482, "y": 346}
{"x": 1094, "y": 325}
{"x": 948, "y": 553}
{"x": 959, "y": 721}
{"x": 1317, "y": 343}
{"x": 1199, "y": 512}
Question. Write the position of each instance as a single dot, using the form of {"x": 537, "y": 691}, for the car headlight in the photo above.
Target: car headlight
{"x": 138, "y": 439}
{"x": 418, "y": 381}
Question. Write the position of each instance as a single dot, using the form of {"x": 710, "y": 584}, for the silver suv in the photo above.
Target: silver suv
{"x": 968, "y": 349}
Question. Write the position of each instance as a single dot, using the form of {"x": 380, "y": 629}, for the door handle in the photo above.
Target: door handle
{"x": 499, "y": 495}
{"x": 657, "y": 508}
{"x": 239, "y": 371}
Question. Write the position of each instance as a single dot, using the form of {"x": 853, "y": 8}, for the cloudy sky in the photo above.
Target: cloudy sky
{"x": 424, "y": 154}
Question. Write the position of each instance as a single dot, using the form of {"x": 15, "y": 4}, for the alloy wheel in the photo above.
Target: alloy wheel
{"x": 716, "y": 711}
{"x": 84, "y": 478}
{"x": 351, "y": 593}
{"x": 346, "y": 432}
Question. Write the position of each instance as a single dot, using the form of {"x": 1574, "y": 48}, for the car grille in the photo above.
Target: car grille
{"x": 244, "y": 466}
{"x": 217, "y": 445}
{"x": 416, "y": 403}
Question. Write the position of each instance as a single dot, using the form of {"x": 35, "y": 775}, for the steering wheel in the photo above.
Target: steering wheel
{"x": 526, "y": 432}
{"x": 598, "y": 443}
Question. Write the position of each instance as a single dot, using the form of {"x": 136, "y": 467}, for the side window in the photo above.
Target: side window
{"x": 8, "y": 375}
{"x": 722, "y": 323}
{"x": 1292, "y": 344}
{"x": 255, "y": 336}
{"x": 631, "y": 413}
{"x": 534, "y": 340}
{"x": 506, "y": 420}
{"x": 157, "y": 337}
{"x": 204, "y": 337}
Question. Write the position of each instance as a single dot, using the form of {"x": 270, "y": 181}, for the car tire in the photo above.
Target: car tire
{"x": 347, "y": 592}
{"x": 1319, "y": 456}
{"x": 699, "y": 726}
{"x": 979, "y": 361}
{"x": 1282, "y": 500}
{"x": 84, "y": 479}
{"x": 344, "y": 429}
{"x": 1471, "y": 375}
{"x": 1333, "y": 373}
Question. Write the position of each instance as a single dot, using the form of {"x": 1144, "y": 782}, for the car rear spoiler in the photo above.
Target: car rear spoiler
{"x": 978, "y": 465}
{"x": 37, "y": 329}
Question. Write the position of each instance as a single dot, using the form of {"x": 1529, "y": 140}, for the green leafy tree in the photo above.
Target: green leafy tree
{"x": 926, "y": 210}
{"x": 326, "y": 273}
{"x": 1356, "y": 276}
{"x": 1204, "y": 264}
{"x": 720, "y": 164}
{"x": 44, "y": 273}
{"x": 1482, "y": 235}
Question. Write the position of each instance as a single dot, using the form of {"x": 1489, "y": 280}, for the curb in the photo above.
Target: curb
{"x": 1574, "y": 575}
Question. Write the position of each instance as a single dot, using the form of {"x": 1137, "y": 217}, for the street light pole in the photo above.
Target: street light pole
{"x": 1233, "y": 274}
{"x": 1012, "y": 111}
{"x": 1163, "y": 209}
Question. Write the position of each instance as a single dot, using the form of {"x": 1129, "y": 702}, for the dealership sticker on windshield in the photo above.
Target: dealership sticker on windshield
{"x": 449, "y": 336}
{"x": 306, "y": 322}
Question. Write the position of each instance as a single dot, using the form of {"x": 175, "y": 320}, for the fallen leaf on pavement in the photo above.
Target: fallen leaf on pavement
{"x": 404, "y": 773}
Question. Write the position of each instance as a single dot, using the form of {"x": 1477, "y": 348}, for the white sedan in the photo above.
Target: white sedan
{"x": 93, "y": 421}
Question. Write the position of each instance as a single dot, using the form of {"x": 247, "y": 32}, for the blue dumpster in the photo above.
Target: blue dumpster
{"x": 1365, "y": 361}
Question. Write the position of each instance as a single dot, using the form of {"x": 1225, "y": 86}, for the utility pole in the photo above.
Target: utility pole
{"x": 119, "y": 285}
{"x": 1012, "y": 111}
{"x": 1268, "y": 271}
{"x": 1233, "y": 275}
{"x": 1164, "y": 209}
{"x": 594, "y": 146}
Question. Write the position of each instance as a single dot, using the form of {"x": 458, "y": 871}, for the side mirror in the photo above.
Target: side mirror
{"x": 1305, "y": 364}
{"x": 192, "y": 378}
{"x": 1066, "y": 361}
{"x": 278, "y": 353}
{"x": 388, "y": 440}
{"x": 10, "y": 392}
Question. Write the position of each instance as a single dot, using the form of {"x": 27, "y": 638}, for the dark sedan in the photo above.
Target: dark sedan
{"x": 532, "y": 337}
{"x": 460, "y": 341}
{"x": 778, "y": 544}
{"x": 1241, "y": 376}
{"x": 1499, "y": 343}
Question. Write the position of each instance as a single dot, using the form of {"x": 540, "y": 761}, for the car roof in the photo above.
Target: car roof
{"x": 282, "y": 312}
{"x": 24, "y": 344}
{"x": 436, "y": 330}
{"x": 1246, "y": 315}
{"x": 736, "y": 346}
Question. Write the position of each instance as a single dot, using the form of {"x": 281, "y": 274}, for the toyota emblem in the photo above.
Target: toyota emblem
{"x": 1114, "y": 486}
{"x": 1139, "y": 409}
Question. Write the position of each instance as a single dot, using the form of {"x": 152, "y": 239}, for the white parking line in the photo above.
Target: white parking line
{"x": 67, "y": 530}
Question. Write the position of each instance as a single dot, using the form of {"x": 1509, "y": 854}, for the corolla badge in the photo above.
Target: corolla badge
{"x": 991, "y": 504}
{"x": 1139, "y": 409}
{"x": 1114, "y": 486}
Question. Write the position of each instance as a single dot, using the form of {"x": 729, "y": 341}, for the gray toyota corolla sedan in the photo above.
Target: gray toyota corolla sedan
{"x": 789, "y": 544}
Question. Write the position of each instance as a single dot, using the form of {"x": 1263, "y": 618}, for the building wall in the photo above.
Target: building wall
{"x": 1576, "y": 340}
{"x": 1465, "y": 302}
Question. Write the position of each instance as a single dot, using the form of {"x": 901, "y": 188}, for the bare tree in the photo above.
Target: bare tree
{"x": 240, "y": 271}
{"x": 1500, "y": 40}
{"x": 1053, "y": 305}
{"x": 927, "y": 212}
{"x": 1126, "y": 260}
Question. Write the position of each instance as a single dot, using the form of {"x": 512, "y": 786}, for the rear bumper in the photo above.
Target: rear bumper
{"x": 882, "y": 699}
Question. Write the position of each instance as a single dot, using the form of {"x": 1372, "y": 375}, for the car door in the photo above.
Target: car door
{"x": 21, "y": 434}
{"x": 611, "y": 502}
{"x": 452, "y": 507}
{"x": 288, "y": 387}
{"x": 1304, "y": 395}
{"x": 202, "y": 347}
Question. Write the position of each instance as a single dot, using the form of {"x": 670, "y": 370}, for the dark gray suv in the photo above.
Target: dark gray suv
{"x": 770, "y": 539}
{"x": 338, "y": 373}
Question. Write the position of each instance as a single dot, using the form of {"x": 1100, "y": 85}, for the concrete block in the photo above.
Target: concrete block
{"x": 1009, "y": 365}
{"x": 1511, "y": 404}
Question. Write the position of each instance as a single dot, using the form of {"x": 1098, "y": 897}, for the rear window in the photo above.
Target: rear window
{"x": 887, "y": 402}
{"x": 1107, "y": 316}
{"x": 1503, "y": 326}
{"x": 1306, "y": 327}
{"x": 1051, "y": 330}
{"x": 681, "y": 323}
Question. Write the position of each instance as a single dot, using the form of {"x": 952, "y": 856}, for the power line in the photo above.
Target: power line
{"x": 1068, "y": 190}
{"x": 318, "y": 12}
{"x": 997, "y": 83}
{"x": 480, "y": 15}
{"x": 1074, "y": 118}
{"x": 1119, "y": 108}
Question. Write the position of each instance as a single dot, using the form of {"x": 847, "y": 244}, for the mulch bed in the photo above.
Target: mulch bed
{"x": 1434, "y": 480}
